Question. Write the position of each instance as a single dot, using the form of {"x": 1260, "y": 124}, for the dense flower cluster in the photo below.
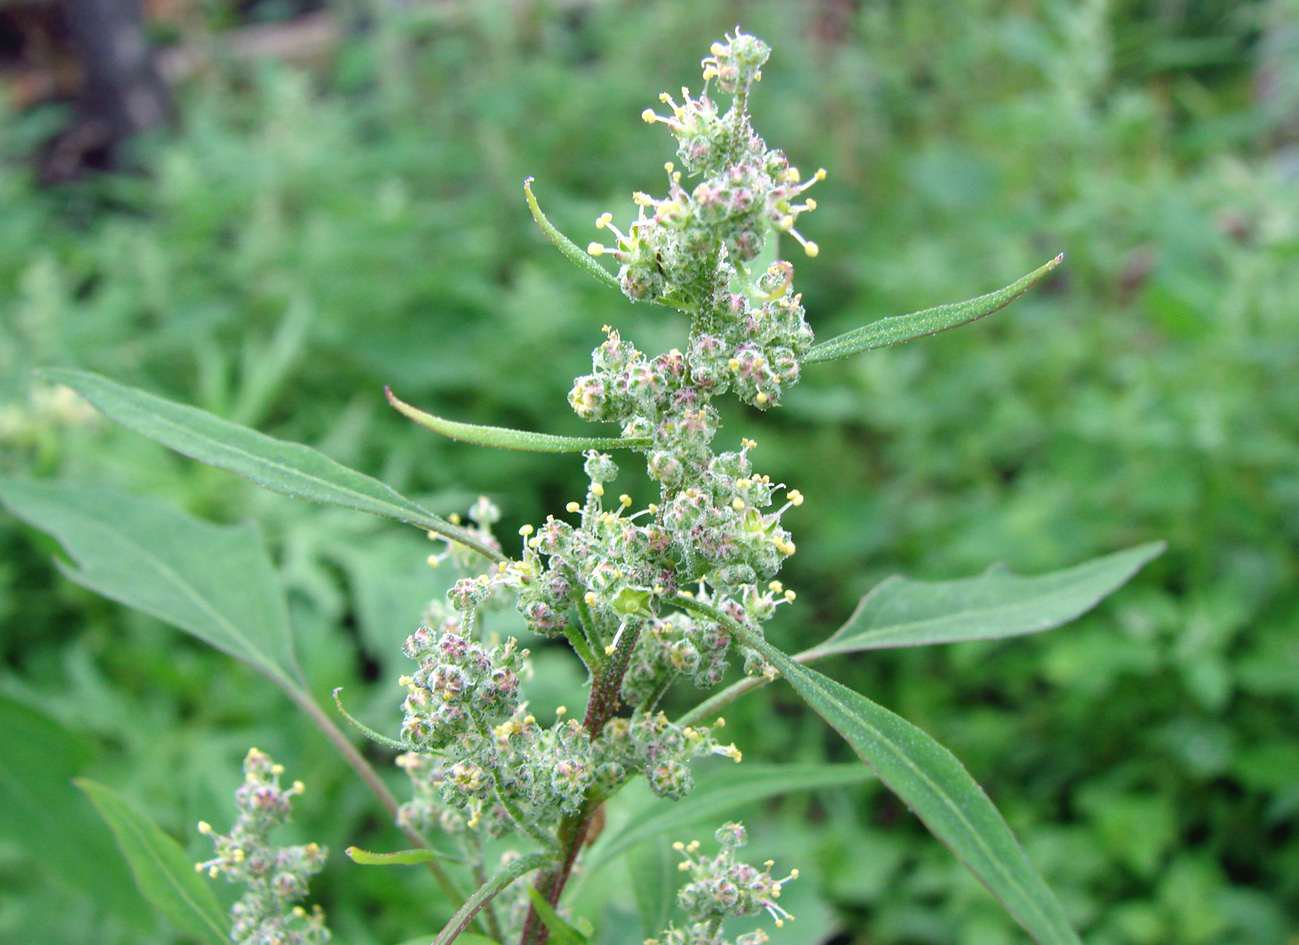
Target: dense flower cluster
{"x": 721, "y": 887}
{"x": 613, "y": 579}
{"x": 275, "y": 878}
{"x": 477, "y": 756}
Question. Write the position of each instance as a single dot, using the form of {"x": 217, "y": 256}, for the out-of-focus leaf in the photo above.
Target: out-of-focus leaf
{"x": 902, "y": 328}
{"x": 932, "y": 783}
{"x": 996, "y": 604}
{"x": 216, "y": 582}
{"x": 162, "y": 872}
{"x": 507, "y": 439}
{"x": 288, "y": 468}
{"x": 718, "y": 794}
{"x": 46, "y": 817}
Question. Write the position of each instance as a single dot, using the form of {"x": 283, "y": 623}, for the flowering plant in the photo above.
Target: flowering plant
{"x": 678, "y": 589}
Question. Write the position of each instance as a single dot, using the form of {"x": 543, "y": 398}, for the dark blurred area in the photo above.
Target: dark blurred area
{"x": 273, "y": 208}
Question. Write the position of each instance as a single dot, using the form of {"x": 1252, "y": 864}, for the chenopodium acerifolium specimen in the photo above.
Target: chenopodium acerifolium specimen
{"x": 607, "y": 578}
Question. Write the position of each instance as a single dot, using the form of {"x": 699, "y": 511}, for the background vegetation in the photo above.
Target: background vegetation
{"x": 308, "y": 234}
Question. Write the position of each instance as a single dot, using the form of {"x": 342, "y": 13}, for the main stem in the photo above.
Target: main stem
{"x": 573, "y": 828}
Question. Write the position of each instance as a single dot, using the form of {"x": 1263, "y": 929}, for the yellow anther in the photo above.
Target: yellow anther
{"x": 761, "y": 398}
{"x": 595, "y": 249}
{"x": 534, "y": 543}
{"x": 748, "y": 444}
{"x": 653, "y": 508}
{"x": 299, "y": 787}
{"x": 737, "y": 504}
{"x": 204, "y": 827}
{"x": 625, "y": 500}
{"x": 678, "y": 846}
{"x": 811, "y": 204}
{"x": 733, "y": 364}
{"x": 793, "y": 495}
{"x": 606, "y": 329}
{"x": 434, "y": 536}
{"x": 811, "y": 248}
{"x": 789, "y": 596}
{"x": 561, "y": 712}
{"x": 608, "y": 650}
{"x": 589, "y": 597}
{"x": 648, "y": 116}
{"x": 820, "y": 173}
{"x": 603, "y": 220}
{"x": 526, "y": 530}
{"x": 597, "y": 489}
{"x": 775, "y": 586}
{"x": 454, "y": 518}
{"x": 572, "y": 507}
{"x": 669, "y": 167}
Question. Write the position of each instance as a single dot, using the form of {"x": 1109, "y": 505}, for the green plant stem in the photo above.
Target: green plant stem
{"x": 577, "y": 640}
{"x": 592, "y": 638}
{"x": 715, "y": 703}
{"x": 485, "y": 893}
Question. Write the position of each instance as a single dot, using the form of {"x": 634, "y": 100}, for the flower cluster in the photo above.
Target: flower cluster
{"x": 477, "y": 756}
{"x": 671, "y": 251}
{"x": 629, "y": 588}
{"x": 721, "y": 887}
{"x": 275, "y": 877}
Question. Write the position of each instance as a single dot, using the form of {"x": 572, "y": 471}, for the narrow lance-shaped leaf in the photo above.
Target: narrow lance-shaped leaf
{"x": 288, "y": 468}
{"x": 164, "y": 874}
{"x": 503, "y": 438}
{"x": 575, "y": 253}
{"x": 399, "y": 858}
{"x": 718, "y": 794}
{"x": 932, "y": 783}
{"x": 216, "y": 582}
{"x": 903, "y": 328}
{"x": 996, "y": 604}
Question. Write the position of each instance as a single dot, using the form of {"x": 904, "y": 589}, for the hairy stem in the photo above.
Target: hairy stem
{"x": 573, "y": 828}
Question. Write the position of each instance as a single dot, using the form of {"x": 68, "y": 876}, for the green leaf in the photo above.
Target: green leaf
{"x": 996, "y": 604}
{"x": 932, "y": 783}
{"x": 365, "y": 730}
{"x": 162, "y": 872}
{"x": 720, "y": 793}
{"x": 215, "y": 582}
{"x": 486, "y": 892}
{"x": 50, "y": 821}
{"x": 288, "y": 468}
{"x": 399, "y": 858}
{"x": 503, "y": 438}
{"x": 575, "y": 253}
{"x": 903, "y": 328}
{"x": 561, "y": 933}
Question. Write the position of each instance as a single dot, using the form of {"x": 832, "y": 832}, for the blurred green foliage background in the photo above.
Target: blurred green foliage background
{"x": 309, "y": 233}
